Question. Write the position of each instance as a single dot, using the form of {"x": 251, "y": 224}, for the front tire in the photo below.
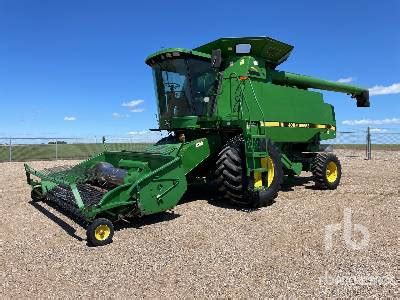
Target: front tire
{"x": 233, "y": 184}
{"x": 100, "y": 232}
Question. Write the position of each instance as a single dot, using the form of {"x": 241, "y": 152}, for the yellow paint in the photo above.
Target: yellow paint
{"x": 270, "y": 170}
{"x": 297, "y": 125}
{"x": 320, "y": 126}
{"x": 271, "y": 124}
{"x": 331, "y": 172}
{"x": 257, "y": 180}
{"x": 102, "y": 232}
{"x": 268, "y": 164}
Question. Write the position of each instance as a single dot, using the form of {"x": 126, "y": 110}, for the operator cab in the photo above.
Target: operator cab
{"x": 185, "y": 84}
{"x": 186, "y": 81}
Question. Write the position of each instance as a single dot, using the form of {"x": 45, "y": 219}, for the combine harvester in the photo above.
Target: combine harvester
{"x": 233, "y": 119}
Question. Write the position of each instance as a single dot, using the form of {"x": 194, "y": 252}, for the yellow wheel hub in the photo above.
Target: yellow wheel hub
{"x": 331, "y": 172}
{"x": 102, "y": 232}
{"x": 270, "y": 170}
{"x": 268, "y": 164}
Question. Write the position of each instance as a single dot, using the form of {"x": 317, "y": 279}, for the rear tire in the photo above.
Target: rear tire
{"x": 327, "y": 171}
{"x": 233, "y": 184}
{"x": 100, "y": 232}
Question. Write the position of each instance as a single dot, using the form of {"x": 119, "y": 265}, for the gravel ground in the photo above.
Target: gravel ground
{"x": 204, "y": 248}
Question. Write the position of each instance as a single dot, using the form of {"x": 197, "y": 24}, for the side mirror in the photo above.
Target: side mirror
{"x": 216, "y": 58}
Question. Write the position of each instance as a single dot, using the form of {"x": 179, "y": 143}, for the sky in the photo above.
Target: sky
{"x": 76, "y": 68}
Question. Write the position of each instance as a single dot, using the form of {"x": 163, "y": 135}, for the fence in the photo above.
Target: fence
{"x": 368, "y": 140}
{"x": 25, "y": 149}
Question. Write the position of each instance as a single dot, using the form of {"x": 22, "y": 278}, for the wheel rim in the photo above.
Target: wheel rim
{"x": 331, "y": 172}
{"x": 102, "y": 232}
{"x": 270, "y": 170}
{"x": 268, "y": 164}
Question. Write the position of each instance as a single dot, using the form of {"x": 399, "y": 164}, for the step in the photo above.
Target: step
{"x": 261, "y": 170}
{"x": 258, "y": 136}
{"x": 256, "y": 154}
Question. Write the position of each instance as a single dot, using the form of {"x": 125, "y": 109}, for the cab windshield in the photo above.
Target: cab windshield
{"x": 184, "y": 86}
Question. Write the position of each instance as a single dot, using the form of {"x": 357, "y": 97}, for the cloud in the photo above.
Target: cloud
{"x": 118, "y": 116}
{"x": 385, "y": 90}
{"x": 392, "y": 121}
{"x": 69, "y": 118}
{"x": 133, "y": 105}
{"x": 378, "y": 130}
{"x": 138, "y": 132}
{"x": 346, "y": 80}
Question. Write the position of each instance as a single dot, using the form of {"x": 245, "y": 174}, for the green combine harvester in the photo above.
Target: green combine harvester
{"x": 233, "y": 120}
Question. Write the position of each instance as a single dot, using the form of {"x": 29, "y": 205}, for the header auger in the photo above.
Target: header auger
{"x": 233, "y": 119}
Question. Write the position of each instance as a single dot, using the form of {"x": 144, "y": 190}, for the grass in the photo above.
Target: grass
{"x": 64, "y": 151}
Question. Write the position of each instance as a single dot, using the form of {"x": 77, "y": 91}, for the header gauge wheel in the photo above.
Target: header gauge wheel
{"x": 326, "y": 170}
{"x": 100, "y": 232}
{"x": 36, "y": 194}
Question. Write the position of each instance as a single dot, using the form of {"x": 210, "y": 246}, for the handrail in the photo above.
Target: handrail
{"x": 236, "y": 76}
{"x": 255, "y": 97}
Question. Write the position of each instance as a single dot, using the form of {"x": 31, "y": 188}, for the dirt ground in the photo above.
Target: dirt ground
{"x": 207, "y": 249}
